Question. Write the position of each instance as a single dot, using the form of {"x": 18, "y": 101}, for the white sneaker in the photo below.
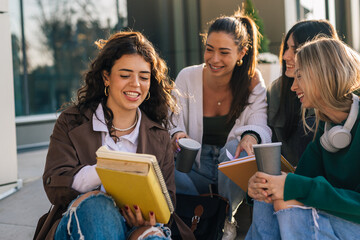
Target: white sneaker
{"x": 229, "y": 230}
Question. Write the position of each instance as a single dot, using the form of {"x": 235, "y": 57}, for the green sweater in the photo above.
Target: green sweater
{"x": 329, "y": 181}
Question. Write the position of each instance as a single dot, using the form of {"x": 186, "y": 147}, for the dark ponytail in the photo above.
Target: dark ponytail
{"x": 245, "y": 34}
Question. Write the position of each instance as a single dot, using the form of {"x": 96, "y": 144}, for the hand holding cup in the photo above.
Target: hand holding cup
{"x": 268, "y": 157}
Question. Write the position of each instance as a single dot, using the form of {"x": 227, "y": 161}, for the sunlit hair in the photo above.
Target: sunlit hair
{"x": 124, "y": 43}
{"x": 329, "y": 72}
{"x": 302, "y": 32}
{"x": 245, "y": 34}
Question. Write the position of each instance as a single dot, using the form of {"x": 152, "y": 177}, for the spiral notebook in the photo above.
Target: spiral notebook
{"x": 135, "y": 179}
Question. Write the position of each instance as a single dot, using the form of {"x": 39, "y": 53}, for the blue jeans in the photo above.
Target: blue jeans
{"x": 198, "y": 179}
{"x": 97, "y": 217}
{"x": 298, "y": 223}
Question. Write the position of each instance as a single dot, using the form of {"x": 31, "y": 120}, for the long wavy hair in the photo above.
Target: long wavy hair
{"x": 330, "y": 72}
{"x": 245, "y": 34}
{"x": 302, "y": 32}
{"x": 123, "y": 43}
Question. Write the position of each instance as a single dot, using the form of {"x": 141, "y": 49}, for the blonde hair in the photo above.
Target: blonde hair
{"x": 330, "y": 70}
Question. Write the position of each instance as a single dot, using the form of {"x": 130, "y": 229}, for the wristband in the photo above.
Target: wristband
{"x": 172, "y": 135}
{"x": 253, "y": 134}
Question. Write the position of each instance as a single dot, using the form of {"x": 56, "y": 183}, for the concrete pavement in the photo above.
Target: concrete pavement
{"x": 20, "y": 211}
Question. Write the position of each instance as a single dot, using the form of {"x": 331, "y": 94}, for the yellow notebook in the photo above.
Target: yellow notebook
{"x": 240, "y": 170}
{"x": 135, "y": 179}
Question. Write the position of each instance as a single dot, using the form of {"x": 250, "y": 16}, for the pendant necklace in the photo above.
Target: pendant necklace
{"x": 218, "y": 103}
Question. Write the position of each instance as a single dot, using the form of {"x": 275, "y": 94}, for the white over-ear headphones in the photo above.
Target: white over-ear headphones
{"x": 339, "y": 137}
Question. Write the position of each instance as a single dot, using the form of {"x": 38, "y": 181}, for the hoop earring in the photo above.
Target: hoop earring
{"x": 106, "y": 90}
{"x": 239, "y": 62}
{"x": 148, "y": 96}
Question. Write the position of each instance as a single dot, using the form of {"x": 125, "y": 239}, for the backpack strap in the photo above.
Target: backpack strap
{"x": 184, "y": 230}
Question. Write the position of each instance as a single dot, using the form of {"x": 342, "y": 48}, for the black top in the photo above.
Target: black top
{"x": 216, "y": 130}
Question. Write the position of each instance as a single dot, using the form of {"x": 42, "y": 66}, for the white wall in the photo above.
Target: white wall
{"x": 8, "y": 159}
{"x": 4, "y": 5}
{"x": 355, "y": 19}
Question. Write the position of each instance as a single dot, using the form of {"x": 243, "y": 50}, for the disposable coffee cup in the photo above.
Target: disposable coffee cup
{"x": 268, "y": 157}
{"x": 186, "y": 157}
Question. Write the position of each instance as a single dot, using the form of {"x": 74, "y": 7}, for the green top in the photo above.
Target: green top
{"x": 216, "y": 130}
{"x": 329, "y": 181}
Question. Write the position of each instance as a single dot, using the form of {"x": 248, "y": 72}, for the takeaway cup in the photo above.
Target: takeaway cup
{"x": 268, "y": 157}
{"x": 186, "y": 156}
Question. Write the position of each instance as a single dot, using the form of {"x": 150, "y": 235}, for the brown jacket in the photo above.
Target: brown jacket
{"x": 73, "y": 146}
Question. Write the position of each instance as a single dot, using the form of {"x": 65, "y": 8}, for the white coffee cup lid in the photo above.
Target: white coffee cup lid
{"x": 189, "y": 143}
{"x": 274, "y": 144}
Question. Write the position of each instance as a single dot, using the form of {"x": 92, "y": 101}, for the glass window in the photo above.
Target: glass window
{"x": 309, "y": 9}
{"x": 53, "y": 43}
{"x": 320, "y": 9}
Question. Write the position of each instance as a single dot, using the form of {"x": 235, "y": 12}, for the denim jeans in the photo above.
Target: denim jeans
{"x": 97, "y": 217}
{"x": 299, "y": 223}
{"x": 198, "y": 179}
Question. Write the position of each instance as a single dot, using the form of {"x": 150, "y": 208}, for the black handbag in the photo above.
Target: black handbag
{"x": 204, "y": 214}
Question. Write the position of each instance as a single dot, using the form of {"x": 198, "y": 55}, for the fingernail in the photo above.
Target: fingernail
{"x": 179, "y": 149}
{"x": 135, "y": 207}
{"x": 126, "y": 207}
{"x": 176, "y": 140}
{"x": 151, "y": 213}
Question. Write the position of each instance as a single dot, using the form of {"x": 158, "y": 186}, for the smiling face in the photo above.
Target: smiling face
{"x": 289, "y": 57}
{"x": 221, "y": 54}
{"x": 303, "y": 93}
{"x": 129, "y": 83}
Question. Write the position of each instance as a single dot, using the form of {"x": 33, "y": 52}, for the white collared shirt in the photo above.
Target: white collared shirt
{"x": 126, "y": 143}
{"x": 87, "y": 178}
